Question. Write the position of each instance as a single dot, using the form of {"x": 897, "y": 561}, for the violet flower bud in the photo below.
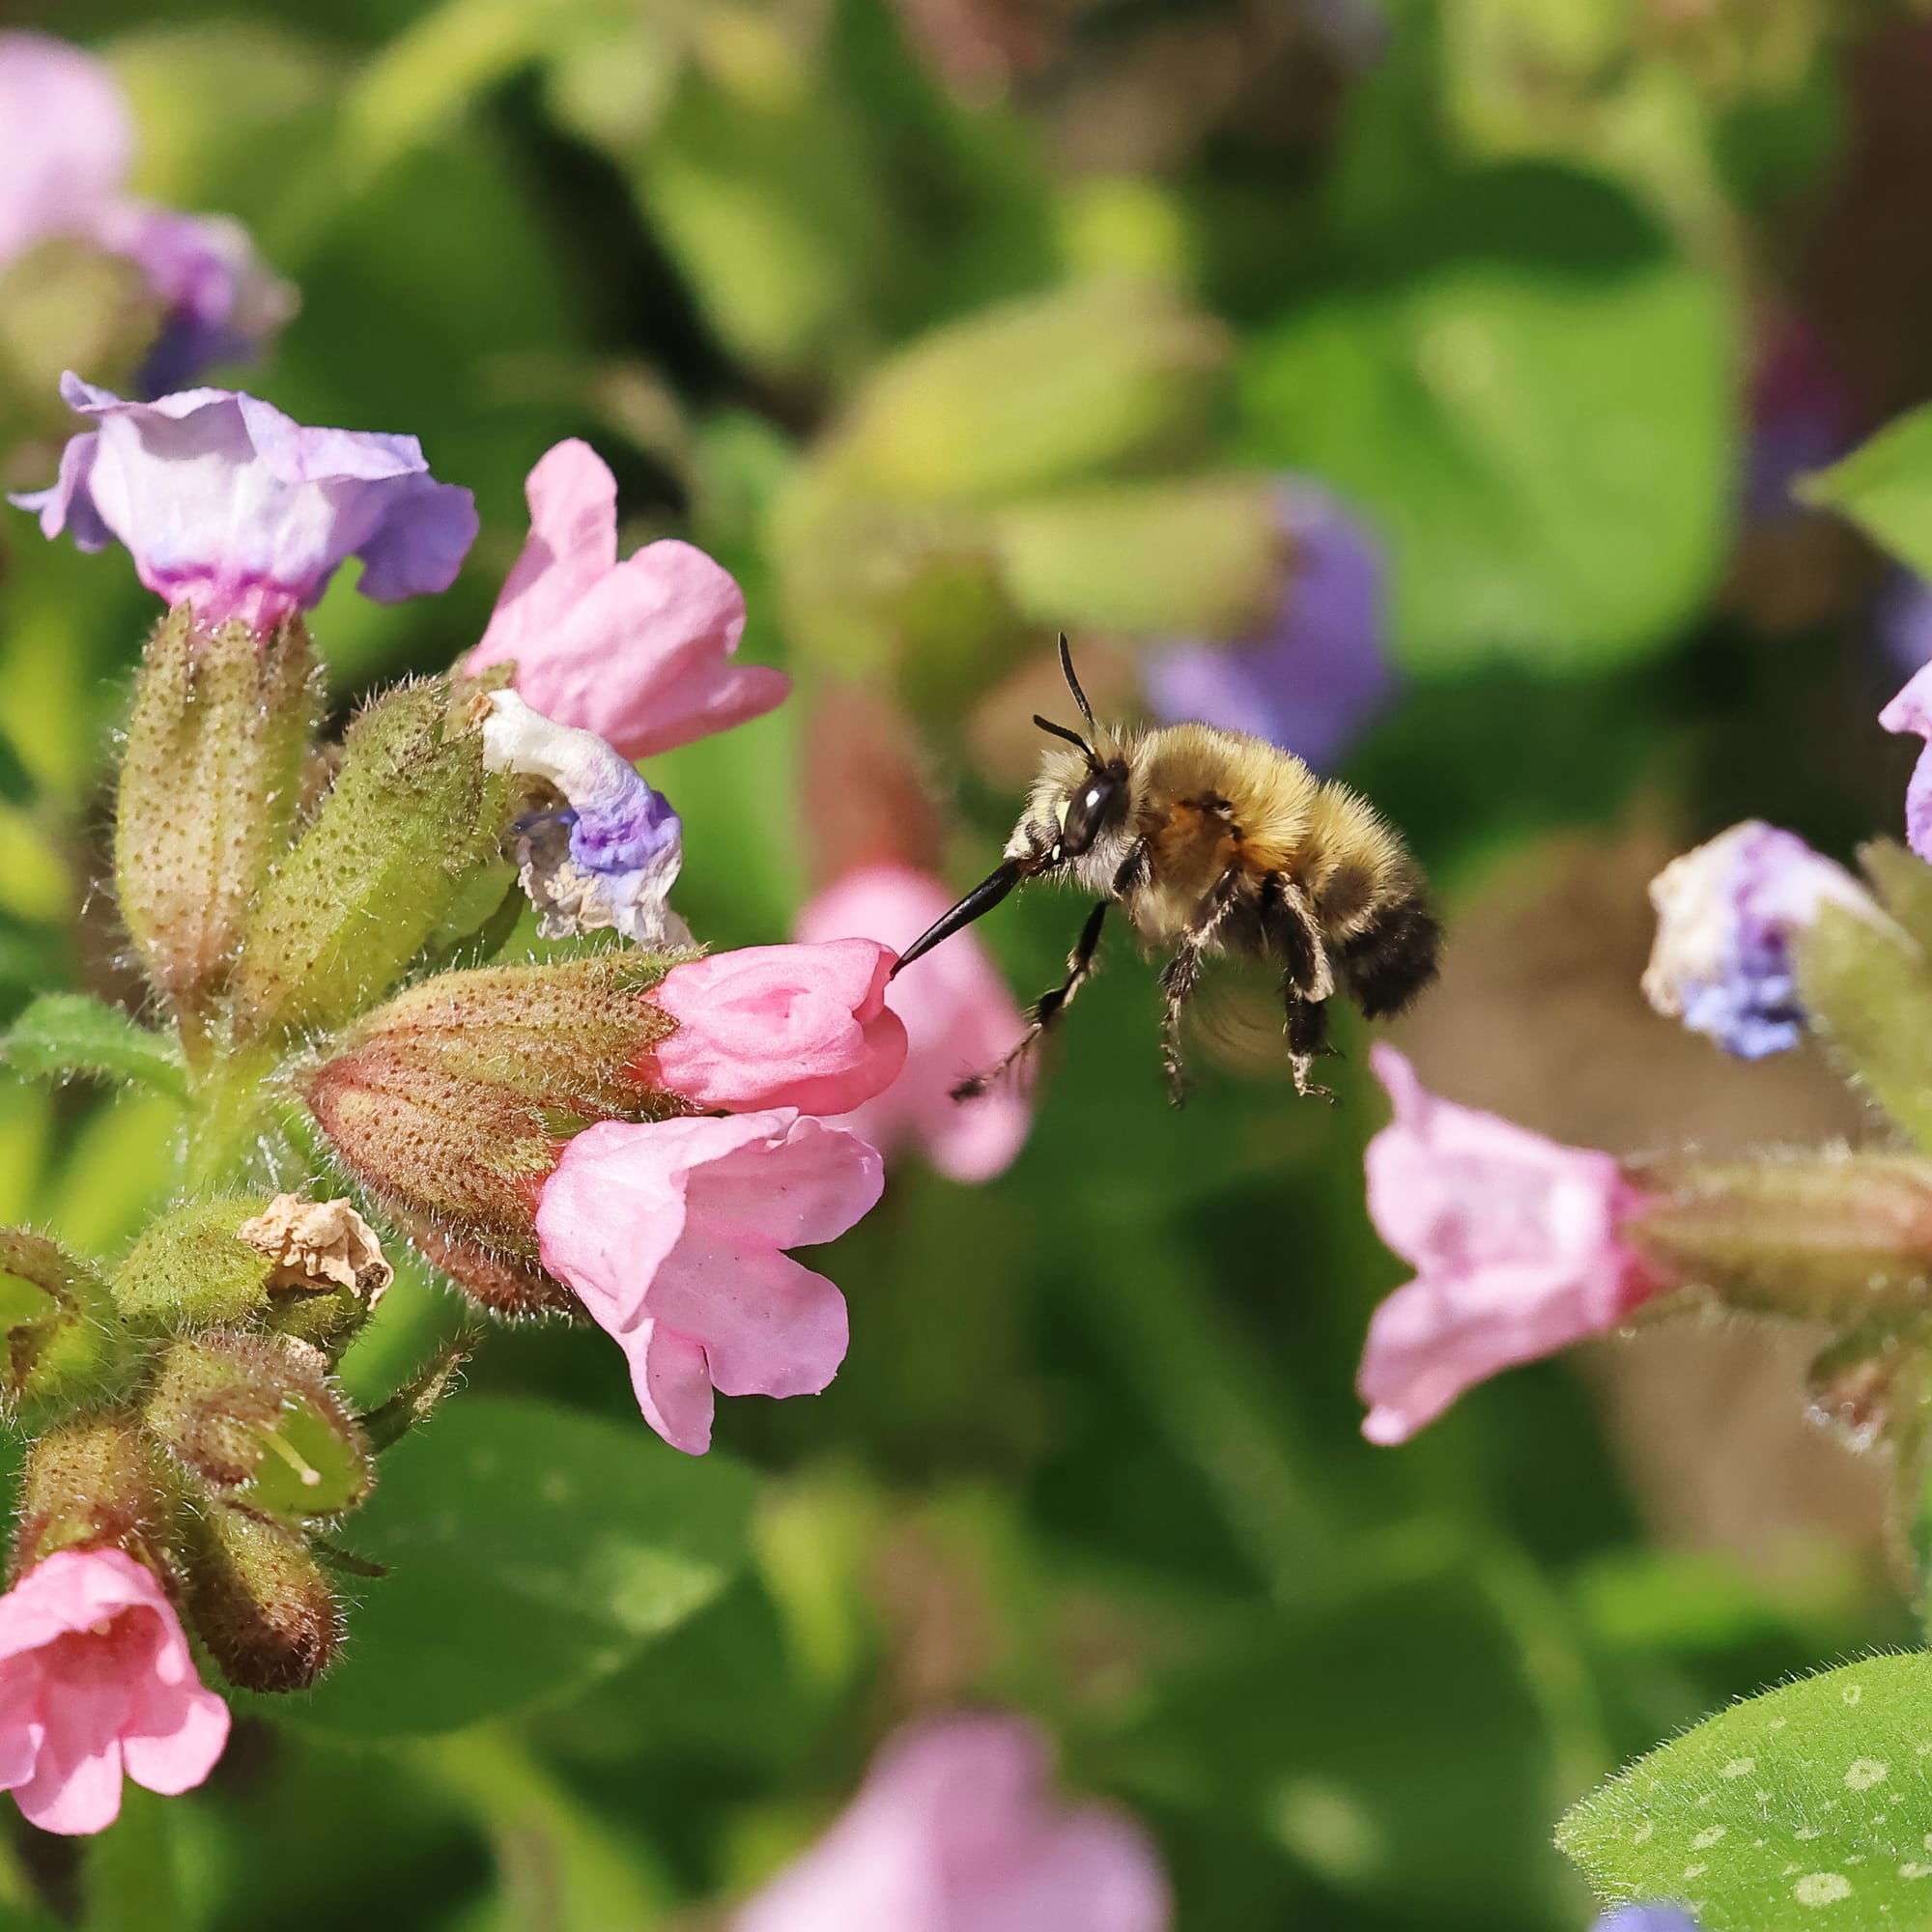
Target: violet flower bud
{"x": 1728, "y": 915}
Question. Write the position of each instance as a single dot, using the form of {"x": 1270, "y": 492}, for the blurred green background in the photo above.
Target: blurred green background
{"x": 945, "y": 325}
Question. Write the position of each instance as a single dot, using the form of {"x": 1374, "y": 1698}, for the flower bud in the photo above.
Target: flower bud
{"x": 209, "y": 789}
{"x": 1839, "y": 1238}
{"x": 192, "y": 1269}
{"x": 410, "y": 818}
{"x": 89, "y": 1484}
{"x": 576, "y": 1036}
{"x": 1729, "y": 916}
{"x": 254, "y": 1420}
{"x": 259, "y": 1600}
{"x": 53, "y": 1312}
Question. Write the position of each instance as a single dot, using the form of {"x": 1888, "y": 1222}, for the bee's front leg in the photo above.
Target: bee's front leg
{"x": 1049, "y": 1007}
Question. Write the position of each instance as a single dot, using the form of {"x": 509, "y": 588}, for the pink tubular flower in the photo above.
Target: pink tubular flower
{"x": 672, "y": 1233}
{"x": 230, "y": 506}
{"x": 1910, "y": 711}
{"x": 1515, "y": 1240}
{"x": 782, "y": 1026}
{"x": 955, "y": 1830}
{"x": 96, "y": 1681}
{"x": 640, "y": 652}
{"x": 959, "y": 1017}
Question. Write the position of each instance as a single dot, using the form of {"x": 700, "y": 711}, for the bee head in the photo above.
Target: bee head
{"x": 1095, "y": 801}
{"x": 1092, "y": 800}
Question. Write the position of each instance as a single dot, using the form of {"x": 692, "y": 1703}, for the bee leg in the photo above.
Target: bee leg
{"x": 1179, "y": 979}
{"x": 1307, "y": 1039}
{"x": 1049, "y": 1007}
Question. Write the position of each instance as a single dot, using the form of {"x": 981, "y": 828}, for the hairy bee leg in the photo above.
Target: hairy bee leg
{"x": 1049, "y": 1007}
{"x": 1307, "y": 1040}
{"x": 1179, "y": 979}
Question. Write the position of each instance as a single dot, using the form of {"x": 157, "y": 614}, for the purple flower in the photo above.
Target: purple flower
{"x": 69, "y": 141}
{"x": 1726, "y": 915}
{"x": 1800, "y": 419}
{"x": 233, "y": 508}
{"x": 1646, "y": 1918}
{"x": 68, "y": 144}
{"x": 607, "y": 853}
{"x": 1314, "y": 677}
{"x": 219, "y": 302}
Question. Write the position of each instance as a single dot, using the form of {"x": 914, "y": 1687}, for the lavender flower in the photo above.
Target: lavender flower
{"x": 219, "y": 302}
{"x": 1646, "y": 1918}
{"x": 231, "y": 507}
{"x": 1726, "y": 915}
{"x": 69, "y": 143}
{"x": 1317, "y": 674}
{"x": 607, "y": 852}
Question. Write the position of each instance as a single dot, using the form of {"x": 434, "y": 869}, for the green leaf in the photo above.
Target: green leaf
{"x": 75, "y": 1033}
{"x": 1885, "y": 487}
{"x": 1808, "y": 1807}
{"x": 530, "y": 1550}
{"x": 1528, "y": 391}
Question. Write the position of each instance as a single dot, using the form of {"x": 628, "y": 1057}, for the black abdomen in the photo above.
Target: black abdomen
{"x": 1388, "y": 964}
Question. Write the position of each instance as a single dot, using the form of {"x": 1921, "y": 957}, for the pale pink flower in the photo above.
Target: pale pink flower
{"x": 70, "y": 140}
{"x": 640, "y": 652}
{"x": 1911, "y": 712}
{"x": 97, "y": 1682}
{"x": 959, "y": 1015}
{"x": 672, "y": 1235}
{"x": 1515, "y": 1242}
{"x": 780, "y": 1026}
{"x": 956, "y": 1830}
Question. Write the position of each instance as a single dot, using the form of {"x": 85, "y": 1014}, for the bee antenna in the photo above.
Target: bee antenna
{"x": 1073, "y": 685}
{"x": 1060, "y": 731}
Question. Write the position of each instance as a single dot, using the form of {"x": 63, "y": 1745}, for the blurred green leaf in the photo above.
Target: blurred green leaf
{"x": 1528, "y": 389}
{"x": 1816, "y": 1794}
{"x": 530, "y": 1550}
{"x": 1885, "y": 487}
{"x": 75, "y": 1033}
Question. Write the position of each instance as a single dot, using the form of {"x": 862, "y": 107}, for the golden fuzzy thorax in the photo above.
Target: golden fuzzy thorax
{"x": 1211, "y": 803}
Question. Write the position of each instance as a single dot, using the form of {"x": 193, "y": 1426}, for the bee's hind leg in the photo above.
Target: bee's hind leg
{"x": 1307, "y": 1040}
{"x": 1047, "y": 1008}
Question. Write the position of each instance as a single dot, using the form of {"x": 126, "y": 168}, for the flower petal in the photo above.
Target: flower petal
{"x": 960, "y": 1018}
{"x": 70, "y": 140}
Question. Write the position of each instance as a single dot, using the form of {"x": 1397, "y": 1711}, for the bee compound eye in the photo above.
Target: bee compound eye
{"x": 1088, "y": 813}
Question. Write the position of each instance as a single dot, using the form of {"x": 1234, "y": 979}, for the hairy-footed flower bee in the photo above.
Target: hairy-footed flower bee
{"x": 1212, "y": 841}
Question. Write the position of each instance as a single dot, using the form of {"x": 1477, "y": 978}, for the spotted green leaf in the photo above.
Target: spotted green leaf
{"x": 1807, "y": 1808}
